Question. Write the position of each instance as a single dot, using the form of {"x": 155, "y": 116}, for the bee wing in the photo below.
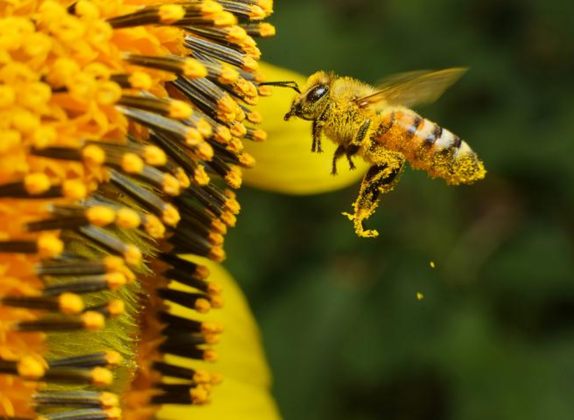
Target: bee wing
{"x": 412, "y": 88}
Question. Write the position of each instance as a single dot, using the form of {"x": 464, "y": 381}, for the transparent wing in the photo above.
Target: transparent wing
{"x": 412, "y": 88}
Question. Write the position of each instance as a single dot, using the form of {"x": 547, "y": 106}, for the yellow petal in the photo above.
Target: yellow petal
{"x": 231, "y": 400}
{"x": 244, "y": 393}
{"x": 284, "y": 162}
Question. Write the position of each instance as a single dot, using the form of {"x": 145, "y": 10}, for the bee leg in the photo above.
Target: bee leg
{"x": 336, "y": 156}
{"x": 354, "y": 146}
{"x": 361, "y": 134}
{"x": 380, "y": 178}
{"x": 317, "y": 131}
{"x": 350, "y": 152}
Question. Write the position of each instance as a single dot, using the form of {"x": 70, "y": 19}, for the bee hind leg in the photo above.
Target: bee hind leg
{"x": 380, "y": 178}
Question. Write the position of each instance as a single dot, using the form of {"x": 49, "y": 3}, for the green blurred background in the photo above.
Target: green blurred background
{"x": 494, "y": 336}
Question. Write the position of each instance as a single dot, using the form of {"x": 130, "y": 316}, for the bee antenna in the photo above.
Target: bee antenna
{"x": 291, "y": 84}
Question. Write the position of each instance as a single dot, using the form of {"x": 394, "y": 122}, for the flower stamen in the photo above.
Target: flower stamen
{"x": 47, "y": 399}
{"x": 123, "y": 135}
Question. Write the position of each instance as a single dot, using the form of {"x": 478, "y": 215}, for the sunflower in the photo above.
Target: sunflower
{"x": 125, "y": 125}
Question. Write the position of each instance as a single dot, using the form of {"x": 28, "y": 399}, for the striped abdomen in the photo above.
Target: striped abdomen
{"x": 429, "y": 147}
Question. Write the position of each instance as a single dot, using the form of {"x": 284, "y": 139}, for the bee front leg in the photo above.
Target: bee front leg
{"x": 380, "y": 178}
{"x": 317, "y": 130}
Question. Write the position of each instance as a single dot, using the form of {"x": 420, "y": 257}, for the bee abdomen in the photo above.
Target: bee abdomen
{"x": 429, "y": 147}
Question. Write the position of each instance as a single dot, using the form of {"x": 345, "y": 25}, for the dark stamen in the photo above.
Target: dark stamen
{"x": 76, "y": 399}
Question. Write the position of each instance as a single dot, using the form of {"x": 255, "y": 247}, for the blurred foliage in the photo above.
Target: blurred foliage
{"x": 494, "y": 336}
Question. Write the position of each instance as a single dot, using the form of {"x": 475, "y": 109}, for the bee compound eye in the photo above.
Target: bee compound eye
{"x": 316, "y": 93}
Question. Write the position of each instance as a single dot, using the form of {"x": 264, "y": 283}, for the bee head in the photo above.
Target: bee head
{"x": 312, "y": 100}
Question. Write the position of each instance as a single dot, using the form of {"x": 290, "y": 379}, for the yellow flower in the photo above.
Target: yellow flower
{"x": 124, "y": 125}
{"x": 244, "y": 392}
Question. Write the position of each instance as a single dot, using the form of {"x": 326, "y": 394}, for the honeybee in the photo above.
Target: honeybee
{"x": 377, "y": 124}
